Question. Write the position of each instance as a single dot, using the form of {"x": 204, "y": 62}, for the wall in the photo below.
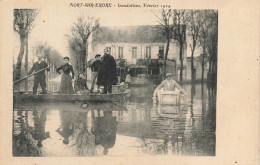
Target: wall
{"x": 173, "y": 53}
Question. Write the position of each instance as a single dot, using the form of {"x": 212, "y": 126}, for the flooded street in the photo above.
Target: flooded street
{"x": 135, "y": 128}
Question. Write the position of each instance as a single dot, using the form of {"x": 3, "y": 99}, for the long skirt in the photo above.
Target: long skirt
{"x": 66, "y": 85}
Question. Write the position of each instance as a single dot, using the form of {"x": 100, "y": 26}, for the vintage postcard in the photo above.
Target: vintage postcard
{"x": 129, "y": 82}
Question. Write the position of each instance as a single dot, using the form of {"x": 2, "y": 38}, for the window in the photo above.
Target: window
{"x": 148, "y": 52}
{"x": 109, "y": 49}
{"x": 134, "y": 52}
{"x": 161, "y": 52}
{"x": 120, "y": 52}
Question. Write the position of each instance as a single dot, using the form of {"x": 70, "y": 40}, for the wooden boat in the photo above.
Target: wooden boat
{"x": 114, "y": 97}
{"x": 170, "y": 98}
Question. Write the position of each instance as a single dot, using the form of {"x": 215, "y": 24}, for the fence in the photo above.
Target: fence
{"x": 52, "y": 79}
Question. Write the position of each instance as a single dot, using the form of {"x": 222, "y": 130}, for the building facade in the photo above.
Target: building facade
{"x": 137, "y": 42}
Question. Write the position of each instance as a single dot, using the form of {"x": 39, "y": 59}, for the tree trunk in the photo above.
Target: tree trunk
{"x": 203, "y": 106}
{"x": 82, "y": 63}
{"x": 181, "y": 60}
{"x": 166, "y": 56}
{"x": 203, "y": 61}
{"x": 86, "y": 62}
{"x": 78, "y": 64}
{"x": 19, "y": 61}
{"x": 83, "y": 56}
{"x": 192, "y": 65}
{"x": 26, "y": 64}
{"x": 210, "y": 69}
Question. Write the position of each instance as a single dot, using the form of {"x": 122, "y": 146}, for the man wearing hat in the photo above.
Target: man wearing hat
{"x": 95, "y": 68}
{"x": 107, "y": 75}
{"x": 168, "y": 85}
{"x": 40, "y": 77}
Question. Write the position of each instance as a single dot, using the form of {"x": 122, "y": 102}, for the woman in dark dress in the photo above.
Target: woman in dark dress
{"x": 66, "y": 79}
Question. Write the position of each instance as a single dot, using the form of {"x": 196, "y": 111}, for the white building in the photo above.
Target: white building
{"x": 132, "y": 43}
{"x": 135, "y": 42}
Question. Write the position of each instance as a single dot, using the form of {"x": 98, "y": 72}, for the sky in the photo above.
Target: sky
{"x": 52, "y": 24}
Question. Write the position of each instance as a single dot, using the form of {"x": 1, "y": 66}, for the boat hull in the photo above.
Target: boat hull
{"x": 117, "y": 97}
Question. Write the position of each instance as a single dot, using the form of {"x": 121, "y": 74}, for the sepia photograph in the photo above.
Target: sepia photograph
{"x": 129, "y": 82}
{"x": 89, "y": 83}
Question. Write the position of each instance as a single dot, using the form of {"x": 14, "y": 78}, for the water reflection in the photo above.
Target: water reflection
{"x": 84, "y": 138}
{"x": 70, "y": 129}
{"x": 39, "y": 134}
{"x": 66, "y": 127}
{"x": 105, "y": 131}
{"x": 23, "y": 142}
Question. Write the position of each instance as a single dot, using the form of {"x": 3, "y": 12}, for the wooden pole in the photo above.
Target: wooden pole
{"x": 30, "y": 75}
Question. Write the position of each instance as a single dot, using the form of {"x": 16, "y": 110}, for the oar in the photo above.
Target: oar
{"x": 31, "y": 75}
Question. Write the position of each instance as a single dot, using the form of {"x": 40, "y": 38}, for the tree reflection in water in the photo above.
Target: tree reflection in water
{"x": 87, "y": 135}
{"x": 23, "y": 143}
{"x": 84, "y": 140}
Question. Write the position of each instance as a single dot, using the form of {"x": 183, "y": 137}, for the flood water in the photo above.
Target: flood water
{"x": 135, "y": 128}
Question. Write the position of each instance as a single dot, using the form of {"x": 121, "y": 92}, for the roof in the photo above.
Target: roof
{"x": 129, "y": 34}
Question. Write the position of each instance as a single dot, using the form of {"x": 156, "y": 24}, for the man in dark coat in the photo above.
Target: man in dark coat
{"x": 40, "y": 77}
{"x": 107, "y": 75}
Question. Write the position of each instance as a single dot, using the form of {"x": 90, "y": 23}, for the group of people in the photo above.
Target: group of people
{"x": 103, "y": 74}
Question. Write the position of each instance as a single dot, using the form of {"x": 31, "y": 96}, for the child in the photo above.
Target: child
{"x": 128, "y": 78}
{"x": 80, "y": 85}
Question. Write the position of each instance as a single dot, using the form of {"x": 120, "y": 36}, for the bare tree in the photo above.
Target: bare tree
{"x": 204, "y": 32}
{"x": 23, "y": 24}
{"x": 179, "y": 34}
{"x": 212, "y": 46}
{"x": 194, "y": 24}
{"x": 47, "y": 52}
{"x": 166, "y": 30}
{"x": 75, "y": 49}
{"x": 78, "y": 39}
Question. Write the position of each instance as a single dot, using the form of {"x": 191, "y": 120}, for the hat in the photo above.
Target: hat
{"x": 168, "y": 75}
{"x": 66, "y": 58}
{"x": 106, "y": 50}
{"x": 98, "y": 55}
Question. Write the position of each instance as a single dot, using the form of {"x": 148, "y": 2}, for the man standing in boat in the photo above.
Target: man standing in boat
{"x": 95, "y": 67}
{"x": 168, "y": 85}
{"x": 107, "y": 75}
{"x": 40, "y": 77}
